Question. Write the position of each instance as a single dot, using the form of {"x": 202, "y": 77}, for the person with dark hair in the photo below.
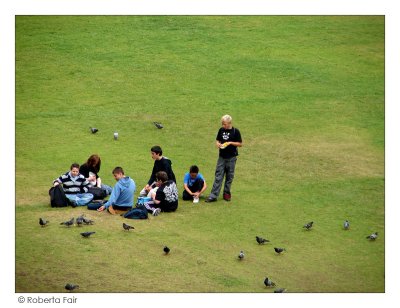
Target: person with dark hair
{"x": 227, "y": 141}
{"x": 75, "y": 186}
{"x": 161, "y": 163}
{"x": 194, "y": 184}
{"x": 92, "y": 165}
{"x": 122, "y": 194}
{"x": 165, "y": 199}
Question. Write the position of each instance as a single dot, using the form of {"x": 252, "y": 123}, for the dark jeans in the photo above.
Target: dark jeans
{"x": 225, "y": 168}
{"x": 196, "y": 187}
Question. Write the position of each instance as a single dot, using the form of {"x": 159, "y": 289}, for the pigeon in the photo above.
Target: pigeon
{"x": 71, "y": 287}
{"x": 279, "y": 250}
{"x": 87, "y": 234}
{"x": 261, "y": 240}
{"x": 373, "y": 236}
{"x": 87, "y": 221}
{"x": 79, "y": 221}
{"x": 158, "y": 125}
{"x": 280, "y": 290}
{"x": 43, "y": 222}
{"x": 68, "y": 223}
{"x": 309, "y": 225}
{"x": 268, "y": 282}
{"x": 241, "y": 255}
{"x": 166, "y": 250}
{"x": 94, "y": 130}
{"x": 346, "y": 225}
{"x": 127, "y": 227}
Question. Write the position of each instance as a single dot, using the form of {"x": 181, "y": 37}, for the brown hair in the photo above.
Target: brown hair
{"x": 162, "y": 176}
{"x": 94, "y": 161}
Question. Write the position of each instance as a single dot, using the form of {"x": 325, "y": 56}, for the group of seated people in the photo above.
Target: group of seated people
{"x": 159, "y": 195}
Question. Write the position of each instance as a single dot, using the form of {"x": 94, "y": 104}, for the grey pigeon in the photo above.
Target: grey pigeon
{"x": 166, "y": 250}
{"x": 94, "y": 130}
{"x": 346, "y": 225}
{"x": 43, "y": 222}
{"x": 158, "y": 125}
{"x": 71, "y": 287}
{"x": 268, "y": 282}
{"x": 309, "y": 225}
{"x": 87, "y": 221}
{"x": 280, "y": 290}
{"x": 373, "y": 236}
{"x": 79, "y": 221}
{"x": 261, "y": 240}
{"x": 127, "y": 227}
{"x": 68, "y": 223}
{"x": 241, "y": 255}
{"x": 279, "y": 250}
{"x": 87, "y": 234}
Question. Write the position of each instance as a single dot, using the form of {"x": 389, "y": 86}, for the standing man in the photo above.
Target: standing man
{"x": 228, "y": 140}
{"x": 122, "y": 194}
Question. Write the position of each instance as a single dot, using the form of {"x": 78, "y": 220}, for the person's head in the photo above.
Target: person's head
{"x": 74, "y": 169}
{"x": 161, "y": 176}
{"x": 118, "y": 173}
{"x": 94, "y": 161}
{"x": 226, "y": 121}
{"x": 193, "y": 171}
{"x": 156, "y": 152}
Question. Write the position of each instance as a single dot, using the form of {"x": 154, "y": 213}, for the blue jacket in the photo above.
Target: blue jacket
{"x": 122, "y": 193}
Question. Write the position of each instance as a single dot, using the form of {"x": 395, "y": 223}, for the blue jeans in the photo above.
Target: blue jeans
{"x": 79, "y": 199}
{"x": 225, "y": 168}
{"x": 107, "y": 188}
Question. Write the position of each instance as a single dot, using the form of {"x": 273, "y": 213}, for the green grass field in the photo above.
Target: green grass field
{"x": 306, "y": 92}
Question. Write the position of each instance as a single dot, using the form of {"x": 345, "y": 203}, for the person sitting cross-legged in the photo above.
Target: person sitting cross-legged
{"x": 122, "y": 194}
{"x": 75, "y": 186}
{"x": 165, "y": 199}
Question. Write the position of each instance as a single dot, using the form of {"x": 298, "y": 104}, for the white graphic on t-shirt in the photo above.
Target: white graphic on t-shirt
{"x": 225, "y": 135}
{"x": 171, "y": 193}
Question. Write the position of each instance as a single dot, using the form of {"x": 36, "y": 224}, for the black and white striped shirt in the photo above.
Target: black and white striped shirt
{"x": 72, "y": 185}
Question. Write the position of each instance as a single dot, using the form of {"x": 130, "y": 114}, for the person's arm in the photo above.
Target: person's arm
{"x": 234, "y": 143}
{"x": 113, "y": 198}
{"x": 186, "y": 187}
{"x": 99, "y": 182}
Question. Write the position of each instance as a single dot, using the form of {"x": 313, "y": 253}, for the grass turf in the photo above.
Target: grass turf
{"x": 307, "y": 93}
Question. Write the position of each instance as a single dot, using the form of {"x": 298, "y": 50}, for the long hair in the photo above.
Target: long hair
{"x": 94, "y": 161}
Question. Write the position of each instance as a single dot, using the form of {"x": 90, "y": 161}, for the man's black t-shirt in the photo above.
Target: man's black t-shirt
{"x": 225, "y": 135}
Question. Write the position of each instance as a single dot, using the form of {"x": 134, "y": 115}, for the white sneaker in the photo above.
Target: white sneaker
{"x": 156, "y": 211}
{"x": 195, "y": 200}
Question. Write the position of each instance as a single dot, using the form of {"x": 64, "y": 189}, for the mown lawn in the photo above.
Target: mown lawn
{"x": 306, "y": 92}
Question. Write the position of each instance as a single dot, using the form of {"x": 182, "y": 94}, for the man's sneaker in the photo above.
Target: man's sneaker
{"x": 111, "y": 210}
{"x": 210, "y": 199}
{"x": 227, "y": 197}
{"x": 156, "y": 211}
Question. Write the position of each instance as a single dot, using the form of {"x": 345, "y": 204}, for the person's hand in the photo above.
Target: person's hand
{"x": 196, "y": 195}
{"x": 56, "y": 184}
{"x": 101, "y": 208}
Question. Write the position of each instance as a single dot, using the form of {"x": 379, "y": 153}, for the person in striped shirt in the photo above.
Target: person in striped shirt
{"x": 75, "y": 186}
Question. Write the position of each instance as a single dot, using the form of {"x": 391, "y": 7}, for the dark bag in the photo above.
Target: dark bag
{"x": 57, "y": 197}
{"x": 97, "y": 192}
{"x": 139, "y": 212}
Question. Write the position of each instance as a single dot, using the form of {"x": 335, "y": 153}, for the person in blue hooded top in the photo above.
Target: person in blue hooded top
{"x": 122, "y": 194}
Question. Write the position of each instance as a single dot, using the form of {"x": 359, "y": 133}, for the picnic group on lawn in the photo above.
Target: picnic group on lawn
{"x": 82, "y": 185}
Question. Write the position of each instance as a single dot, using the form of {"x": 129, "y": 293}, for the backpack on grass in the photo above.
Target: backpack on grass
{"x": 57, "y": 197}
{"x": 139, "y": 212}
